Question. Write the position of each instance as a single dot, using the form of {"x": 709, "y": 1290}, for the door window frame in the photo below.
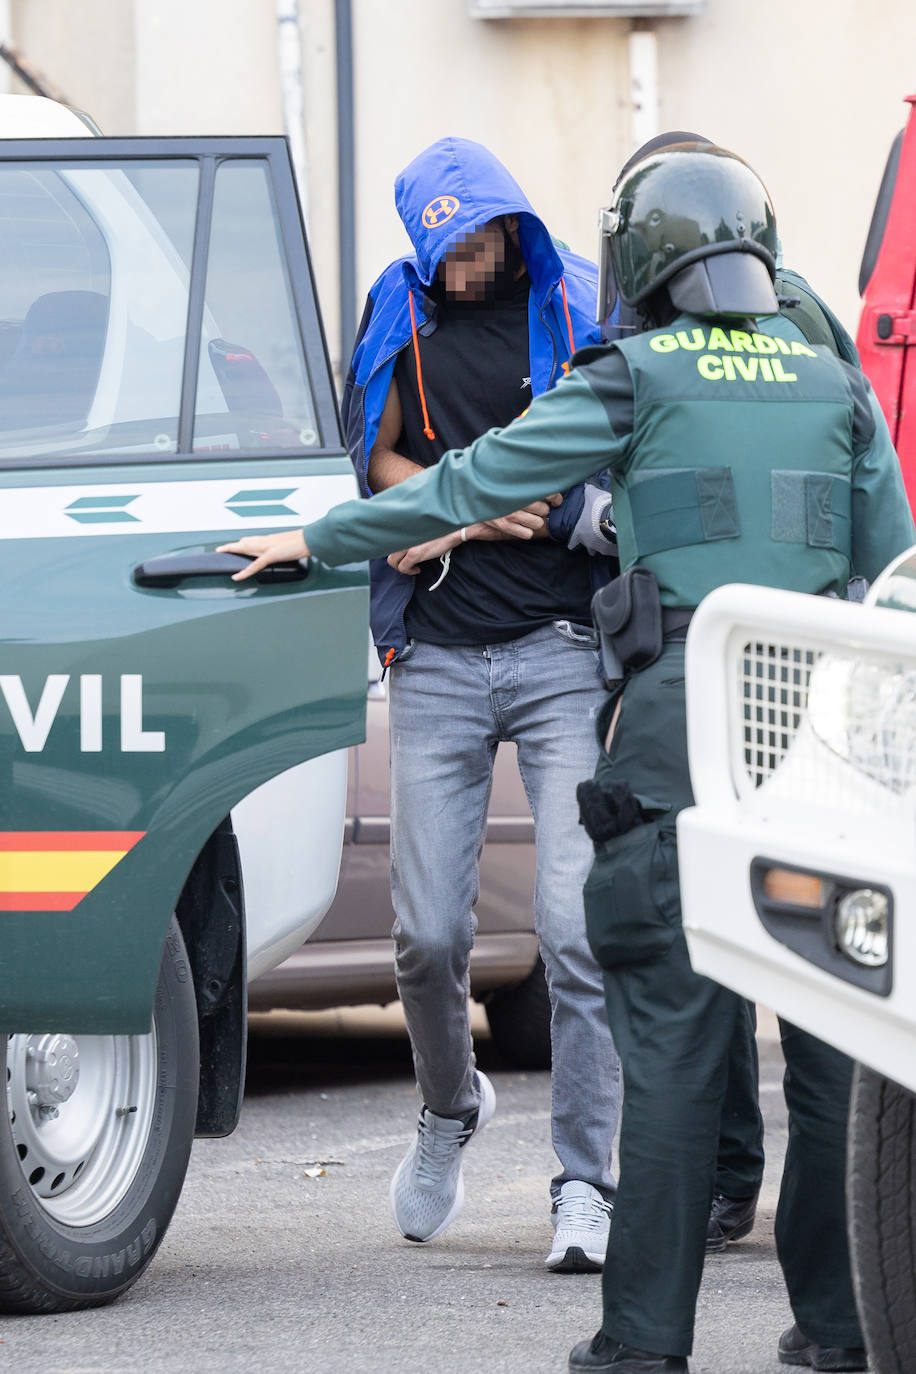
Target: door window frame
{"x": 209, "y": 153}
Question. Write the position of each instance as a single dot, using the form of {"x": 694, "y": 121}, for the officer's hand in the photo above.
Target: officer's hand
{"x": 265, "y": 549}
{"x": 526, "y": 523}
{"x": 409, "y": 560}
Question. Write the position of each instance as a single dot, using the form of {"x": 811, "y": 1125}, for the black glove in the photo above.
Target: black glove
{"x": 607, "y": 811}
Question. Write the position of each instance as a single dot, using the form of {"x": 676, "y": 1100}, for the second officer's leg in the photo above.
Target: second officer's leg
{"x": 739, "y": 1166}
{"x": 811, "y": 1217}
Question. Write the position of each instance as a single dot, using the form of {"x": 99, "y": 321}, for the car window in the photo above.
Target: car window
{"x": 253, "y": 390}
{"x": 94, "y": 272}
{"x": 98, "y": 280}
{"x": 880, "y": 214}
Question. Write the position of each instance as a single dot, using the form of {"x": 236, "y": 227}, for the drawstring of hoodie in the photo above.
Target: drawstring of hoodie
{"x": 572, "y": 341}
{"x": 428, "y": 430}
{"x": 427, "y": 427}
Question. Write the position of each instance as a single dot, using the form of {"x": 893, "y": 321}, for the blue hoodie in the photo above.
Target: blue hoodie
{"x": 451, "y": 188}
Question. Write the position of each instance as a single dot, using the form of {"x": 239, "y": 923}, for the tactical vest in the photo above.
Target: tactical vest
{"x": 740, "y": 467}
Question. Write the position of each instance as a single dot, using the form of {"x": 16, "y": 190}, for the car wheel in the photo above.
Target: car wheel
{"x": 881, "y": 1186}
{"x": 519, "y": 1019}
{"x": 93, "y": 1150}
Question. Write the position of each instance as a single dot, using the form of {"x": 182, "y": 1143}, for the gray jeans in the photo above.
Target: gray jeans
{"x": 450, "y": 707}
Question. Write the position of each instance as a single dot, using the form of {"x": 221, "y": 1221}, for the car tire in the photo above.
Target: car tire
{"x": 519, "y": 1019}
{"x": 93, "y": 1150}
{"x": 881, "y": 1187}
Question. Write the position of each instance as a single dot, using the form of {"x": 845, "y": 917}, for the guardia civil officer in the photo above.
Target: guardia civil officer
{"x": 738, "y": 452}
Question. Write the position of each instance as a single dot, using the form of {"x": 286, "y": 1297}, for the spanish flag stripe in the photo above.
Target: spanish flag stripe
{"x": 50, "y": 871}
{"x": 53, "y": 870}
{"x": 40, "y": 901}
{"x": 21, "y": 840}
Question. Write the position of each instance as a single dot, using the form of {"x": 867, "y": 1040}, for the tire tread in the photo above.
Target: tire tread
{"x": 881, "y": 1187}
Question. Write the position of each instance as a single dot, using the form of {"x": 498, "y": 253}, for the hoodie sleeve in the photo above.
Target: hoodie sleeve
{"x": 564, "y": 437}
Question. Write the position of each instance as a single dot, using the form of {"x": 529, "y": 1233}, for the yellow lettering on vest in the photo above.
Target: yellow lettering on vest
{"x": 728, "y": 367}
{"x": 766, "y": 369}
{"x": 719, "y": 339}
{"x": 663, "y": 343}
{"x": 710, "y": 367}
{"x": 800, "y": 350}
{"x": 741, "y": 342}
{"x": 694, "y": 340}
{"x": 782, "y": 345}
{"x": 764, "y": 343}
{"x": 780, "y": 375}
{"x": 747, "y": 367}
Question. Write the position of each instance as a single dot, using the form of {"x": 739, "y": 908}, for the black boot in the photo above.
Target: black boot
{"x": 602, "y": 1355}
{"x": 795, "y": 1348}
{"x": 730, "y": 1219}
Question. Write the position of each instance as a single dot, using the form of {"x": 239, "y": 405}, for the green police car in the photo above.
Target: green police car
{"x": 164, "y": 385}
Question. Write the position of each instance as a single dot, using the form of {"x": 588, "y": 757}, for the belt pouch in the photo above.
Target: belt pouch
{"x": 628, "y": 617}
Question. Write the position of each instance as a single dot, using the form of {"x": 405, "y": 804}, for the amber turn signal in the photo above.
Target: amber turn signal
{"x": 794, "y": 889}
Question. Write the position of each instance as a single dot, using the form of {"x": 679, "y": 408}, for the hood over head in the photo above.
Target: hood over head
{"x": 453, "y": 187}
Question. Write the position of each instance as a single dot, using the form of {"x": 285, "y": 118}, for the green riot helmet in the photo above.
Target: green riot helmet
{"x": 697, "y": 219}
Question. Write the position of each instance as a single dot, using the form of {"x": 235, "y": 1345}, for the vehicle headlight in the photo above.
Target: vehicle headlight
{"x": 865, "y": 711}
{"x": 862, "y": 927}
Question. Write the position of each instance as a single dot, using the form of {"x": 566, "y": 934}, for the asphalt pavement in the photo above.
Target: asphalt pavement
{"x": 283, "y": 1257}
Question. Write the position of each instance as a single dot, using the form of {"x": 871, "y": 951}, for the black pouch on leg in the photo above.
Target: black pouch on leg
{"x": 628, "y": 617}
{"x": 632, "y": 906}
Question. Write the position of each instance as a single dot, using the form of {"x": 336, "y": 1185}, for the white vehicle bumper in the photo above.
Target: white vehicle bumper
{"x": 776, "y": 792}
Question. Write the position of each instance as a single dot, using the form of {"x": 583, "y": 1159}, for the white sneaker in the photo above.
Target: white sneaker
{"x": 427, "y": 1191}
{"x": 582, "y": 1220}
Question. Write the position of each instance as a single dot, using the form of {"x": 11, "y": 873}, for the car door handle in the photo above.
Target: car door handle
{"x": 171, "y": 569}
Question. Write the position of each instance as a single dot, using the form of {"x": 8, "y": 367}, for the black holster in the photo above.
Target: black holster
{"x": 628, "y": 617}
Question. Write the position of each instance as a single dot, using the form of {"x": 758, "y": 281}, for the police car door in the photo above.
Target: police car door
{"x": 163, "y": 386}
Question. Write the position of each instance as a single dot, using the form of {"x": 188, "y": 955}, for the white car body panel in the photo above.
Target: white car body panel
{"x": 35, "y": 116}
{"x": 290, "y": 834}
{"x": 814, "y": 810}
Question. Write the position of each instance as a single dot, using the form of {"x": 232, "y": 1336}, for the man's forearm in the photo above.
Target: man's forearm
{"x": 387, "y": 468}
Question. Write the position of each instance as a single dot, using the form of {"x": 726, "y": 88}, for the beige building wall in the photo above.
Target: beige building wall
{"x": 809, "y": 92}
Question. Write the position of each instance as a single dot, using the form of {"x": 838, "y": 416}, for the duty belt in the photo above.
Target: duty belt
{"x": 675, "y": 623}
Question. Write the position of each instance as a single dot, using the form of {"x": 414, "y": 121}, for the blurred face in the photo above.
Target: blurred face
{"x": 474, "y": 260}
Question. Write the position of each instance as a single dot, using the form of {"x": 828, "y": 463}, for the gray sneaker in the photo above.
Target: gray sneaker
{"x": 582, "y": 1220}
{"x": 427, "y": 1191}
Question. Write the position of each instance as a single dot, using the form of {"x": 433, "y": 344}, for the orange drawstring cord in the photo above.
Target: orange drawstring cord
{"x": 572, "y": 341}
{"x": 427, "y": 427}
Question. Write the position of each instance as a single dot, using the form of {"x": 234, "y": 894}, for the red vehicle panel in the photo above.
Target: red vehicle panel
{"x": 887, "y": 327}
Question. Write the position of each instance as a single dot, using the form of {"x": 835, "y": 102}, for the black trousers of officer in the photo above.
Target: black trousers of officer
{"x": 673, "y": 1031}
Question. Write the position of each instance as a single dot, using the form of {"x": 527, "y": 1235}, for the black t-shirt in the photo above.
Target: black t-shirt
{"x": 476, "y": 375}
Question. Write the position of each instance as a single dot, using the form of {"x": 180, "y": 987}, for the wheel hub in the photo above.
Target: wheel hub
{"x": 52, "y": 1069}
{"x": 80, "y": 1109}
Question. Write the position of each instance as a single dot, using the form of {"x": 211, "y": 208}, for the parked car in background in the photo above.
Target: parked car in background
{"x": 887, "y": 283}
{"x": 169, "y": 740}
{"x": 350, "y": 957}
{"x": 798, "y": 872}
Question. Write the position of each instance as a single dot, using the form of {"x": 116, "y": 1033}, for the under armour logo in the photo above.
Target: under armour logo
{"x": 439, "y": 210}
{"x": 526, "y": 381}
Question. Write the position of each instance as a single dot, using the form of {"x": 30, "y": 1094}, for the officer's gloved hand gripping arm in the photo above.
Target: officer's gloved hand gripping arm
{"x": 564, "y": 437}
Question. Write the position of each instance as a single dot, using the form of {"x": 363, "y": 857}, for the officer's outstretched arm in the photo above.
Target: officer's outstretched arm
{"x": 564, "y": 437}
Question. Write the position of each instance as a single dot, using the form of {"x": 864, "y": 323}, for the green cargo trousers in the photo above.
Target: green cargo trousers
{"x": 673, "y": 1031}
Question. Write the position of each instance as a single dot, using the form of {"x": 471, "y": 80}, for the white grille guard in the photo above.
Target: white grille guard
{"x": 767, "y": 785}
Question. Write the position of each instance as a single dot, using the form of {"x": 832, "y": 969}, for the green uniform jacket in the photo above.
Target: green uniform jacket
{"x": 735, "y": 455}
